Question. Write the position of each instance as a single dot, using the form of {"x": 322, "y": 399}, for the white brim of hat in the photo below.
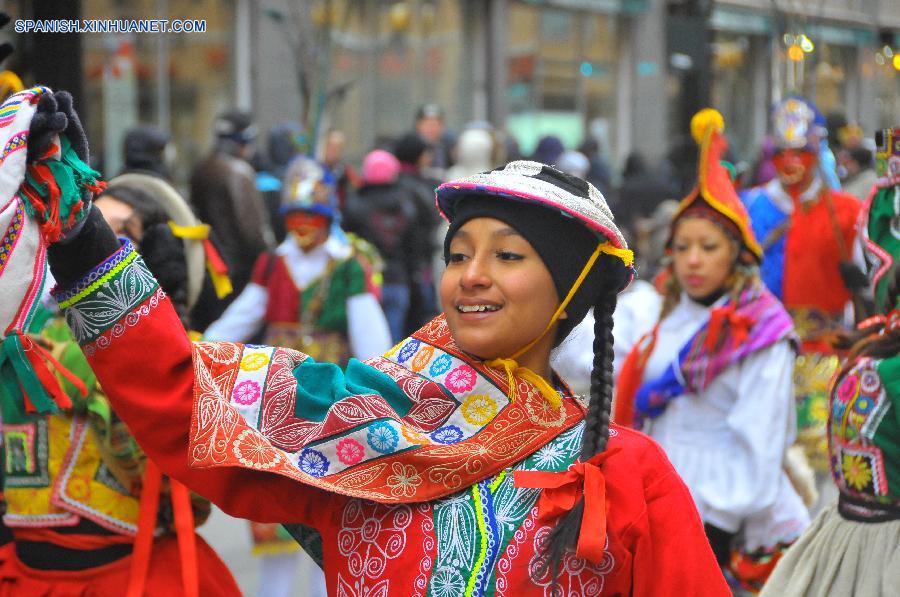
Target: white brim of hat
{"x": 516, "y": 181}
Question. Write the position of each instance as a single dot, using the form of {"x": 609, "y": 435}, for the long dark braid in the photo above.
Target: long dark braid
{"x": 564, "y": 536}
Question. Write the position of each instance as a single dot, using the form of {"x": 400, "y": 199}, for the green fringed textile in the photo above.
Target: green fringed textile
{"x": 72, "y": 176}
{"x": 16, "y": 375}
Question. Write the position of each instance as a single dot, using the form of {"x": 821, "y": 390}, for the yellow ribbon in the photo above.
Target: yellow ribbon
{"x": 195, "y": 232}
{"x": 200, "y": 232}
{"x": 512, "y": 367}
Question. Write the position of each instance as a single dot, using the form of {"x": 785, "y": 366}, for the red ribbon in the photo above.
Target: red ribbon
{"x": 39, "y": 357}
{"x": 213, "y": 258}
{"x": 562, "y": 490}
{"x": 738, "y": 326}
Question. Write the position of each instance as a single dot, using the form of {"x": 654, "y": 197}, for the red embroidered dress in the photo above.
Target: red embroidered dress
{"x": 401, "y": 463}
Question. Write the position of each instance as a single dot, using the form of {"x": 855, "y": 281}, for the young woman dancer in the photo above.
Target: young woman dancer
{"x": 712, "y": 381}
{"x": 458, "y": 463}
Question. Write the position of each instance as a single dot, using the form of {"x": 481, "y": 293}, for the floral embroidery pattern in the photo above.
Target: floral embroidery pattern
{"x": 577, "y": 577}
{"x": 382, "y": 437}
{"x": 312, "y": 462}
{"x": 443, "y": 455}
{"x": 255, "y": 451}
{"x": 408, "y": 351}
{"x": 114, "y": 304}
{"x": 350, "y": 451}
{"x": 414, "y": 437}
{"x": 856, "y": 471}
{"x": 370, "y": 535}
{"x": 254, "y": 361}
{"x": 420, "y": 361}
{"x": 440, "y": 365}
{"x": 448, "y": 434}
{"x": 462, "y": 379}
{"x": 478, "y": 409}
{"x": 857, "y": 456}
{"x": 404, "y": 479}
{"x": 847, "y": 390}
{"x": 247, "y": 392}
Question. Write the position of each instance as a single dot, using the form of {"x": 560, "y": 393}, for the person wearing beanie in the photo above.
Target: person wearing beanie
{"x": 853, "y": 546}
{"x": 712, "y": 381}
{"x": 88, "y": 511}
{"x": 415, "y": 159}
{"x": 430, "y": 127}
{"x": 807, "y": 232}
{"x": 548, "y": 150}
{"x": 457, "y": 463}
{"x": 225, "y": 196}
{"x": 144, "y": 150}
{"x": 384, "y": 212}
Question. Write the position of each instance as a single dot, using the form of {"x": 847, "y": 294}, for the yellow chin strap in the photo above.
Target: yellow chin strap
{"x": 512, "y": 367}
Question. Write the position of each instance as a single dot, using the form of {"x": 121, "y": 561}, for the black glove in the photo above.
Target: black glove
{"x": 854, "y": 278}
{"x": 46, "y": 123}
{"x": 56, "y": 115}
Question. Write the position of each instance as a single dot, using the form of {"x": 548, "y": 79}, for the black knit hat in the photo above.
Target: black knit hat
{"x": 563, "y": 243}
{"x": 409, "y": 148}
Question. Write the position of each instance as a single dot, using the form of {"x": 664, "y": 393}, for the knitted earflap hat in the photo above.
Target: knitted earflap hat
{"x": 569, "y": 225}
{"x": 714, "y": 196}
{"x": 881, "y": 217}
{"x": 563, "y": 217}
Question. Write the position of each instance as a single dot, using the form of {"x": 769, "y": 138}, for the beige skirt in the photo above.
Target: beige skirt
{"x": 836, "y": 557}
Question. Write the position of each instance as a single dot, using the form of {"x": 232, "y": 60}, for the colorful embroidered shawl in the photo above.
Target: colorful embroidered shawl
{"x": 420, "y": 423}
{"x": 733, "y": 332}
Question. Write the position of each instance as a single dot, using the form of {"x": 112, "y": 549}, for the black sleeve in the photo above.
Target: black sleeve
{"x": 95, "y": 242}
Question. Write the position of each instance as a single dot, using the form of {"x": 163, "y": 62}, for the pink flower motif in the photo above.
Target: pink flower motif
{"x": 461, "y": 379}
{"x": 350, "y": 451}
{"x": 848, "y": 388}
{"x": 246, "y": 393}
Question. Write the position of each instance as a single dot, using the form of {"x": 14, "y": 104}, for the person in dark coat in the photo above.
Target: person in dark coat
{"x": 224, "y": 195}
{"x": 415, "y": 157}
{"x": 144, "y": 149}
{"x": 385, "y": 213}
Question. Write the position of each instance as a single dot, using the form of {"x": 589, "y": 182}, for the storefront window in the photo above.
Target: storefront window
{"x": 175, "y": 81}
{"x": 825, "y": 82}
{"x": 561, "y": 75}
{"x": 732, "y": 89}
{"x": 390, "y": 58}
{"x": 887, "y": 88}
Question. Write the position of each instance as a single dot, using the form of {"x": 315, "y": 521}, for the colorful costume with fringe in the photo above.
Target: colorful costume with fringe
{"x": 73, "y": 477}
{"x": 853, "y": 547}
{"x": 804, "y": 240}
{"x": 402, "y": 463}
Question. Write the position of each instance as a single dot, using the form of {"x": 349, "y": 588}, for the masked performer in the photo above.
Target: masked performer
{"x": 806, "y": 231}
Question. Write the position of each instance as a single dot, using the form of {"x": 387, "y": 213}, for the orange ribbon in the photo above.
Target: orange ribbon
{"x": 739, "y": 326}
{"x": 563, "y": 489}
{"x": 39, "y": 357}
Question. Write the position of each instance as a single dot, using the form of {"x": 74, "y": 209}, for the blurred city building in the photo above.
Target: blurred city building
{"x": 626, "y": 72}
